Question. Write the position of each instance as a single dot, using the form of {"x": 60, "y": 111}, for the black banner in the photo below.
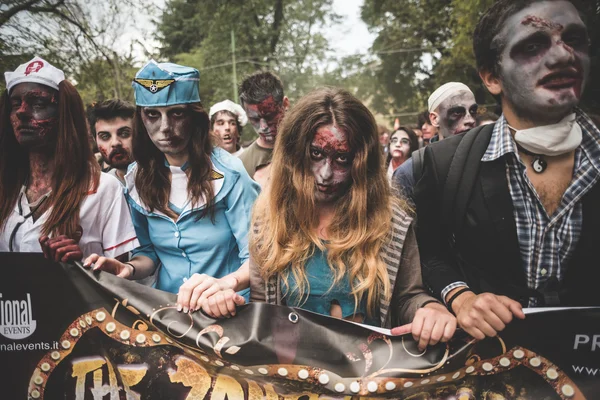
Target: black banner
{"x": 68, "y": 333}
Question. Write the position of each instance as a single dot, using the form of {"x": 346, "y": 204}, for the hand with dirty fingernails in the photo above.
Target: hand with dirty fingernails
{"x": 195, "y": 292}
{"x": 432, "y": 324}
{"x": 62, "y": 248}
{"x": 110, "y": 265}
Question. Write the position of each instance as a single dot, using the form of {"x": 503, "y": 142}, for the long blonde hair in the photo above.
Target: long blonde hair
{"x": 284, "y": 221}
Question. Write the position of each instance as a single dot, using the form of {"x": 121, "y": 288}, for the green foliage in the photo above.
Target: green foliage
{"x": 76, "y": 36}
{"x": 99, "y": 80}
{"x": 441, "y": 31}
{"x": 459, "y": 64}
{"x": 282, "y": 36}
{"x": 413, "y": 36}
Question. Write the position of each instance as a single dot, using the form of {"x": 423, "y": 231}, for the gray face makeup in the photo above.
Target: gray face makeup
{"x": 457, "y": 113}
{"x": 169, "y": 127}
{"x": 545, "y": 61}
{"x": 400, "y": 145}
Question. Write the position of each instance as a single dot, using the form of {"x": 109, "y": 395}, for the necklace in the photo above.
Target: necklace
{"x": 21, "y": 218}
{"x": 539, "y": 163}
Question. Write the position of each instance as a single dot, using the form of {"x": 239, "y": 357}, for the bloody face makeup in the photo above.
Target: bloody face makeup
{"x": 545, "y": 60}
{"x": 169, "y": 128}
{"x": 400, "y": 146}
{"x": 265, "y": 118}
{"x": 331, "y": 162}
{"x": 457, "y": 113}
{"x": 113, "y": 138}
{"x": 34, "y": 114}
{"x": 225, "y": 128}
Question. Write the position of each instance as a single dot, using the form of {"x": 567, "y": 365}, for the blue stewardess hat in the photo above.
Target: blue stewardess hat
{"x": 166, "y": 84}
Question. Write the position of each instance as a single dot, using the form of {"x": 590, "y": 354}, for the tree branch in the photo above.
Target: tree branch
{"x": 277, "y": 20}
{"x": 11, "y": 12}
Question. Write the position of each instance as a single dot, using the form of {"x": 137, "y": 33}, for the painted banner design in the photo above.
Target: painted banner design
{"x": 67, "y": 333}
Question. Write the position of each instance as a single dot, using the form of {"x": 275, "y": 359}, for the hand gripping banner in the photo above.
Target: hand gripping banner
{"x": 68, "y": 333}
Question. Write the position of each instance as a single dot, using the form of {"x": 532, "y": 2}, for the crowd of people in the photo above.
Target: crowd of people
{"x": 459, "y": 221}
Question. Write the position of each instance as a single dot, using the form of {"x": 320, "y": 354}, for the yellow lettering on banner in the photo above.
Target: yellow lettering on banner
{"x": 297, "y": 396}
{"x": 99, "y": 390}
{"x": 193, "y": 375}
{"x": 132, "y": 374}
{"x": 271, "y": 393}
{"x": 255, "y": 392}
{"x": 227, "y": 386}
{"x": 82, "y": 367}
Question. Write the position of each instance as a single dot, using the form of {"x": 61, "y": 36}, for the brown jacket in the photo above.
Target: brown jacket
{"x": 401, "y": 256}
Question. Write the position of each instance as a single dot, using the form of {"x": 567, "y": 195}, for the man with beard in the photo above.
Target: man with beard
{"x": 261, "y": 95}
{"x": 226, "y": 122}
{"x": 111, "y": 123}
{"x": 518, "y": 224}
{"x": 452, "y": 110}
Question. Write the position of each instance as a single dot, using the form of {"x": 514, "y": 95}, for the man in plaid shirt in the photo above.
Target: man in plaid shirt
{"x": 527, "y": 234}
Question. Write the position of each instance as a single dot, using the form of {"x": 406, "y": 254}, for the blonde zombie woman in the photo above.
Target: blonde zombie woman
{"x": 328, "y": 236}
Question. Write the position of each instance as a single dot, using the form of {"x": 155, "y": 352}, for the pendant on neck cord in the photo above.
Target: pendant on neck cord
{"x": 538, "y": 164}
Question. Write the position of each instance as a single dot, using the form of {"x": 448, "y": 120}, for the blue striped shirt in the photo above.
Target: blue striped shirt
{"x": 547, "y": 242}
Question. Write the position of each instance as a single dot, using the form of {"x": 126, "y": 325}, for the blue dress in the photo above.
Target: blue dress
{"x": 321, "y": 294}
{"x": 186, "y": 246}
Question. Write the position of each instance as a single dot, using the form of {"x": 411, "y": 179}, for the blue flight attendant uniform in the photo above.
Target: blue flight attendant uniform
{"x": 190, "y": 245}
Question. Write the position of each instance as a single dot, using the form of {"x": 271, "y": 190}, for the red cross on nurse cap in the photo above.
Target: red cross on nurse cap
{"x": 37, "y": 70}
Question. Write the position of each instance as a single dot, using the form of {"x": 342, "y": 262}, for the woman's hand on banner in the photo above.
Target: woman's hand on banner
{"x": 197, "y": 290}
{"x": 485, "y": 314}
{"x": 223, "y": 304}
{"x": 432, "y": 324}
{"x": 109, "y": 265}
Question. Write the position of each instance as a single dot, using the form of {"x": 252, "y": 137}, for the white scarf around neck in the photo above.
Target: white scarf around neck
{"x": 551, "y": 140}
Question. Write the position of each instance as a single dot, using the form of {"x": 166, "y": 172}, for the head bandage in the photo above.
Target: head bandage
{"x": 443, "y": 92}
{"x": 235, "y": 109}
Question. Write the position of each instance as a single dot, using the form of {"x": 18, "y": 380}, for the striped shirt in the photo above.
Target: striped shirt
{"x": 547, "y": 242}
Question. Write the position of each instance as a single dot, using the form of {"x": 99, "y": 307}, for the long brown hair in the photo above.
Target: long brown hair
{"x": 76, "y": 172}
{"x": 153, "y": 178}
{"x": 285, "y": 215}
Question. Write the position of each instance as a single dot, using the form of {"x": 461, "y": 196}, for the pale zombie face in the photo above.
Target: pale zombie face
{"x": 545, "y": 60}
{"x": 169, "y": 127}
{"x": 457, "y": 113}
{"x": 225, "y": 128}
{"x": 113, "y": 138}
{"x": 428, "y": 130}
{"x": 331, "y": 163}
{"x": 265, "y": 118}
{"x": 34, "y": 114}
{"x": 400, "y": 146}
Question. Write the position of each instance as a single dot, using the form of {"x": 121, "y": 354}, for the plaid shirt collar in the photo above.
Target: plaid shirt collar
{"x": 502, "y": 141}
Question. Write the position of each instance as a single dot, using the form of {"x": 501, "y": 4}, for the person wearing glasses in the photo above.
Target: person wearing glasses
{"x": 402, "y": 144}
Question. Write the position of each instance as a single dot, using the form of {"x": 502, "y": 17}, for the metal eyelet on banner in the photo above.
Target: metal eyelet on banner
{"x": 293, "y": 317}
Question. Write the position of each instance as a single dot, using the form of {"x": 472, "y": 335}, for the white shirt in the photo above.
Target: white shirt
{"x": 240, "y": 151}
{"x": 390, "y": 171}
{"x": 104, "y": 217}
